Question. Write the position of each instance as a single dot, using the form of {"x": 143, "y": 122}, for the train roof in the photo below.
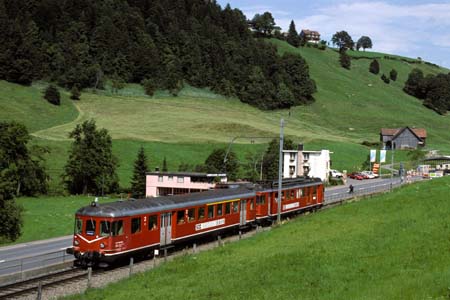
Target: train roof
{"x": 167, "y": 203}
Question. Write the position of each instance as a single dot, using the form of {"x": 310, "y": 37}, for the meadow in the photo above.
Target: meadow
{"x": 392, "y": 246}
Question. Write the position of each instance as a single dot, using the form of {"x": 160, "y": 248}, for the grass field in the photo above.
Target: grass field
{"x": 393, "y": 246}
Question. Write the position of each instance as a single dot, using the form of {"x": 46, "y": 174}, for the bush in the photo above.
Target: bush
{"x": 52, "y": 95}
{"x": 75, "y": 93}
{"x": 345, "y": 60}
{"x": 149, "y": 87}
{"x": 374, "y": 67}
{"x": 385, "y": 79}
{"x": 393, "y": 75}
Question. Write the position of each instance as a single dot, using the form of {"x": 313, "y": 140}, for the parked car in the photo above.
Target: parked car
{"x": 370, "y": 174}
{"x": 356, "y": 175}
{"x": 336, "y": 174}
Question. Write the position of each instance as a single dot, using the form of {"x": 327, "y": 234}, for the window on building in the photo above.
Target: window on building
{"x": 152, "y": 222}
{"x": 191, "y": 214}
{"x": 117, "y": 228}
{"x": 105, "y": 228}
{"x": 291, "y": 170}
{"x": 201, "y": 213}
{"x": 180, "y": 179}
{"x": 170, "y": 178}
{"x": 228, "y": 208}
{"x": 160, "y": 178}
{"x": 180, "y": 217}
{"x": 135, "y": 225}
{"x": 219, "y": 210}
{"x": 235, "y": 206}
{"x": 78, "y": 226}
{"x": 210, "y": 211}
{"x": 291, "y": 156}
{"x": 90, "y": 227}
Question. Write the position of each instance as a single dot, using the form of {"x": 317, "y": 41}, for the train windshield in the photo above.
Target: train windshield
{"x": 78, "y": 226}
{"x": 90, "y": 227}
{"x": 105, "y": 228}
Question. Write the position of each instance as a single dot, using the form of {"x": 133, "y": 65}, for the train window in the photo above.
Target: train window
{"x": 219, "y": 210}
{"x": 292, "y": 194}
{"x": 78, "y": 226}
{"x": 210, "y": 211}
{"x": 276, "y": 196}
{"x": 201, "y": 213}
{"x": 235, "y": 206}
{"x": 283, "y": 195}
{"x": 251, "y": 204}
{"x": 152, "y": 222}
{"x": 191, "y": 214}
{"x": 228, "y": 208}
{"x": 314, "y": 191}
{"x": 105, "y": 228}
{"x": 180, "y": 217}
{"x": 135, "y": 225}
{"x": 299, "y": 193}
{"x": 117, "y": 228}
{"x": 90, "y": 227}
{"x": 261, "y": 200}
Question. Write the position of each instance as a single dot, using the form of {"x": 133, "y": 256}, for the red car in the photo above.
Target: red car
{"x": 356, "y": 175}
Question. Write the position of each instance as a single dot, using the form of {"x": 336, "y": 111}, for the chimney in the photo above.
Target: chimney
{"x": 300, "y": 147}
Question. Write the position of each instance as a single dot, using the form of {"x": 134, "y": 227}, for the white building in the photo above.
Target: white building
{"x": 306, "y": 163}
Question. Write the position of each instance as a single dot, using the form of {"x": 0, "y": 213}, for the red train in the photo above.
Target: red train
{"x": 107, "y": 232}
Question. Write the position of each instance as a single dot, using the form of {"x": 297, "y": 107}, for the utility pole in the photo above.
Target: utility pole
{"x": 280, "y": 170}
{"x": 392, "y": 163}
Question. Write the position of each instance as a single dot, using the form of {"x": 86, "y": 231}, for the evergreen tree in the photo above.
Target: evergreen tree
{"x": 164, "y": 166}
{"x": 52, "y": 95}
{"x": 374, "y": 67}
{"x": 345, "y": 60}
{"x": 91, "y": 167}
{"x": 292, "y": 36}
{"x": 271, "y": 158}
{"x": 215, "y": 163}
{"x": 138, "y": 182}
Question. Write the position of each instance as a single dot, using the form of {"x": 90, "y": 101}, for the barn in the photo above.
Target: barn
{"x": 403, "y": 138}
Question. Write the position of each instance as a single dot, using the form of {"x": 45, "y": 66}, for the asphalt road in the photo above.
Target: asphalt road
{"x": 46, "y": 252}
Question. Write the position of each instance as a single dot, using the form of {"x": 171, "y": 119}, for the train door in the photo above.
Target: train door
{"x": 166, "y": 229}
{"x": 243, "y": 212}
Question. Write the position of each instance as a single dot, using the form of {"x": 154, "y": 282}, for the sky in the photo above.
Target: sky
{"x": 409, "y": 28}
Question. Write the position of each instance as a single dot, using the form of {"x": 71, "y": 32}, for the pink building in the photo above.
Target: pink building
{"x": 174, "y": 183}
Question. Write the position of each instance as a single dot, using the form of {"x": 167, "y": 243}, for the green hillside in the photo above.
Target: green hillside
{"x": 392, "y": 246}
{"x": 351, "y": 106}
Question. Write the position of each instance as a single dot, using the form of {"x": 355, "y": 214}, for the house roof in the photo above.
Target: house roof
{"x": 420, "y": 132}
{"x": 307, "y": 31}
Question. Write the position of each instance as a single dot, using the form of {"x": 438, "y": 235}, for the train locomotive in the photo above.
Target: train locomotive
{"x": 107, "y": 232}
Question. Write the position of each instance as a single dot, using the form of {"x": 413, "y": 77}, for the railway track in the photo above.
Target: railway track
{"x": 22, "y": 288}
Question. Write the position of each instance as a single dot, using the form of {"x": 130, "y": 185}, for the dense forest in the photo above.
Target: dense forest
{"x": 159, "y": 43}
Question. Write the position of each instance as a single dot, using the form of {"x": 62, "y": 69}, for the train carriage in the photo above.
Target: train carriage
{"x": 107, "y": 232}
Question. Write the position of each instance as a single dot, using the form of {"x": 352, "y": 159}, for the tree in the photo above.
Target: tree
{"x": 138, "y": 182}
{"x": 393, "y": 75}
{"x": 292, "y": 36}
{"x": 438, "y": 94}
{"x": 343, "y": 40}
{"x": 345, "y": 60}
{"x": 364, "y": 42}
{"x": 164, "y": 165}
{"x": 263, "y": 24}
{"x": 52, "y": 95}
{"x": 374, "y": 67}
{"x": 10, "y": 220}
{"x": 413, "y": 84}
{"x": 91, "y": 167}
{"x": 215, "y": 163}
{"x": 75, "y": 93}
{"x": 271, "y": 158}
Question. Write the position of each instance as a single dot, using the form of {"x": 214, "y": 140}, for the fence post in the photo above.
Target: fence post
{"x": 194, "y": 248}
{"x": 131, "y": 266}
{"x": 240, "y": 234}
{"x": 39, "y": 294}
{"x": 89, "y": 277}
{"x": 219, "y": 241}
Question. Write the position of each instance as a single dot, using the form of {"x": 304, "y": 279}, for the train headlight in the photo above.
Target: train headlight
{"x": 76, "y": 242}
{"x": 102, "y": 245}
